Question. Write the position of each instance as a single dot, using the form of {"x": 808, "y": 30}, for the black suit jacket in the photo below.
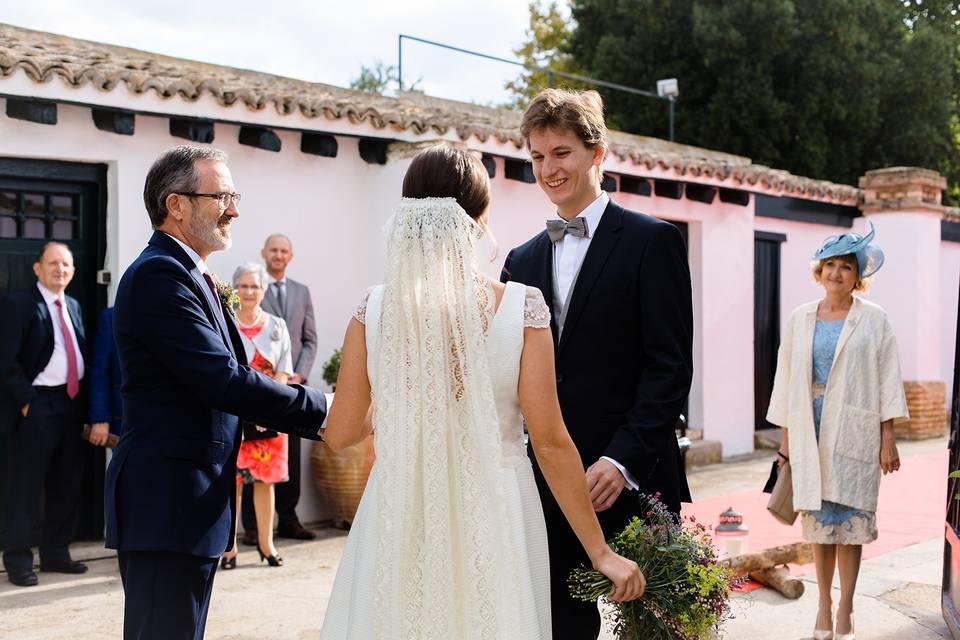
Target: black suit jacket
{"x": 624, "y": 362}
{"x": 26, "y": 344}
{"x": 171, "y": 482}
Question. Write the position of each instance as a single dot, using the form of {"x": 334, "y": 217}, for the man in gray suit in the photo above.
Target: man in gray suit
{"x": 291, "y": 301}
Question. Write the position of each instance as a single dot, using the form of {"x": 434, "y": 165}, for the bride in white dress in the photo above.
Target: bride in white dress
{"x": 449, "y": 540}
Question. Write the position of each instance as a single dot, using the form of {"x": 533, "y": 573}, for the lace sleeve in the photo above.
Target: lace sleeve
{"x": 361, "y": 313}
{"x": 535, "y": 311}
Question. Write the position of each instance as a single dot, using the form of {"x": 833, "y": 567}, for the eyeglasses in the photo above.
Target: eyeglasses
{"x": 248, "y": 287}
{"x": 223, "y": 198}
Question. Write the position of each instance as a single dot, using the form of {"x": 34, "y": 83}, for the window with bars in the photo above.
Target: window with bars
{"x": 39, "y": 215}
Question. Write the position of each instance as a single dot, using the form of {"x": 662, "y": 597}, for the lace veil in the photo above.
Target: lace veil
{"x": 444, "y": 564}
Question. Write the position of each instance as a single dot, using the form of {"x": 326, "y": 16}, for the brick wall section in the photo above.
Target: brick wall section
{"x": 928, "y": 411}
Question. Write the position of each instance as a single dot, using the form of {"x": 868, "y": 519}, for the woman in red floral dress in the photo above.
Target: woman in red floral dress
{"x": 262, "y": 461}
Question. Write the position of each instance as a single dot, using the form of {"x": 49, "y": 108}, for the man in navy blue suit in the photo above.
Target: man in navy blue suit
{"x": 42, "y": 409}
{"x": 170, "y": 487}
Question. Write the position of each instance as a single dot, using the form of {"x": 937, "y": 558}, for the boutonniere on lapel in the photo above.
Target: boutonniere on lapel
{"x": 228, "y": 296}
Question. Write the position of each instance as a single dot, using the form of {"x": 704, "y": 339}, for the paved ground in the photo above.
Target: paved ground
{"x": 898, "y": 596}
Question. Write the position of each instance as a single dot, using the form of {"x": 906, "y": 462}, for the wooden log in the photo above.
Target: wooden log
{"x": 796, "y": 553}
{"x": 780, "y": 579}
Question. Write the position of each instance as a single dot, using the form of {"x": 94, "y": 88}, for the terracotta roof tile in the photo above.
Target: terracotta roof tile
{"x": 43, "y": 56}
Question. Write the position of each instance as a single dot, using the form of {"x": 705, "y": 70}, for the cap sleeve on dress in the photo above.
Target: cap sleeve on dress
{"x": 536, "y": 314}
{"x": 361, "y": 313}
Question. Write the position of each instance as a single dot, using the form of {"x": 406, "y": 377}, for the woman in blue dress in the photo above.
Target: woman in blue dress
{"x": 837, "y": 392}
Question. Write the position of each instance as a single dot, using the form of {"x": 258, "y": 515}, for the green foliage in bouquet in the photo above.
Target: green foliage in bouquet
{"x": 688, "y": 592}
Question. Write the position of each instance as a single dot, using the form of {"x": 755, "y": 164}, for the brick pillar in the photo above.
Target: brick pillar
{"x": 903, "y": 203}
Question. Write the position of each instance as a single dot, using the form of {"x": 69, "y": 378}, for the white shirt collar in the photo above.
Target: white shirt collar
{"x": 193, "y": 255}
{"x": 282, "y": 280}
{"x": 48, "y": 296}
{"x": 594, "y": 211}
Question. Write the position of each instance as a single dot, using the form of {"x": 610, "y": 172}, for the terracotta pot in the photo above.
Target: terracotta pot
{"x": 340, "y": 478}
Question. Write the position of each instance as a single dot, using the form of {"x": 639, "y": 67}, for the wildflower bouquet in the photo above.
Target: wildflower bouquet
{"x": 688, "y": 592}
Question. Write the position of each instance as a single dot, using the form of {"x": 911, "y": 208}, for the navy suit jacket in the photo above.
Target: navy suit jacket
{"x": 624, "y": 361}
{"x": 106, "y": 404}
{"x": 26, "y": 344}
{"x": 171, "y": 482}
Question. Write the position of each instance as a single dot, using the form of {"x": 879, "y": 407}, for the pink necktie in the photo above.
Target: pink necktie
{"x": 73, "y": 375}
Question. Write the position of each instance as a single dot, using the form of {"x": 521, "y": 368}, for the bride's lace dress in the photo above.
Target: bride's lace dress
{"x": 449, "y": 540}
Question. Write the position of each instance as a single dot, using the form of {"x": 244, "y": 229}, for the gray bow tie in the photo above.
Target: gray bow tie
{"x": 576, "y": 227}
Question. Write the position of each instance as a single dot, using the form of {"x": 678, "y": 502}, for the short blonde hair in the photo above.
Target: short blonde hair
{"x": 578, "y": 111}
{"x": 862, "y": 284}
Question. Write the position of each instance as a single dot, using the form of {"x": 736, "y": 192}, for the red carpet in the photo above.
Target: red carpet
{"x": 911, "y": 510}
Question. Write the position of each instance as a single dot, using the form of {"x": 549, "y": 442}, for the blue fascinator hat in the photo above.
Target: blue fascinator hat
{"x": 869, "y": 256}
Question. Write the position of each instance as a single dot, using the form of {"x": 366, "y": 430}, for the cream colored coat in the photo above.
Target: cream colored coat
{"x": 864, "y": 389}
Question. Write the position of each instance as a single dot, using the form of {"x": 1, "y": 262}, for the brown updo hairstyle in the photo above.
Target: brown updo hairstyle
{"x": 445, "y": 171}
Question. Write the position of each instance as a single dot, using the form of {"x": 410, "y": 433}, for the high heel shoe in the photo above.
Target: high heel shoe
{"x": 826, "y": 634}
{"x": 228, "y": 563}
{"x": 847, "y": 636}
{"x": 273, "y": 561}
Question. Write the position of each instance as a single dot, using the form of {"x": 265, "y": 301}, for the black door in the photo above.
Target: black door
{"x": 42, "y": 201}
{"x": 766, "y": 320}
{"x": 951, "y": 551}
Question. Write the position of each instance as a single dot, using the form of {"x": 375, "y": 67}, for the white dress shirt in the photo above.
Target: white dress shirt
{"x": 568, "y": 255}
{"x": 55, "y": 373}
{"x": 193, "y": 255}
{"x": 569, "y": 252}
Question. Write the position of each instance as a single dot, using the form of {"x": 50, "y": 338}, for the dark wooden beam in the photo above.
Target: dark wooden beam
{"x": 633, "y": 184}
{"x": 668, "y": 189}
{"x": 374, "y": 150}
{"x": 786, "y": 208}
{"x": 37, "y": 111}
{"x": 734, "y": 196}
{"x": 609, "y": 183}
{"x": 490, "y": 164}
{"x": 260, "y": 137}
{"x": 193, "y": 130}
{"x": 318, "y": 144}
{"x": 700, "y": 192}
{"x": 114, "y": 121}
{"x": 518, "y": 170}
{"x": 769, "y": 236}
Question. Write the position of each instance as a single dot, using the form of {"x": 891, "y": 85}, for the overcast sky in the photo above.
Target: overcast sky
{"x": 319, "y": 40}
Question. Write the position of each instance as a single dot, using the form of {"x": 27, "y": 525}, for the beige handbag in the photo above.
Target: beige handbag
{"x": 781, "y": 499}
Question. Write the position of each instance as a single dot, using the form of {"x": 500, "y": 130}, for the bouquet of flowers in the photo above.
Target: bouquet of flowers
{"x": 688, "y": 592}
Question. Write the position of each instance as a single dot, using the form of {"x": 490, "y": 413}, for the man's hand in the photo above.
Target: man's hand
{"x": 25, "y": 410}
{"x": 604, "y": 482}
{"x": 99, "y": 432}
{"x": 296, "y": 379}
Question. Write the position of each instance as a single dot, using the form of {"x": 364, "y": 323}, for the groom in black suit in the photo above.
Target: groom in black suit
{"x": 170, "y": 487}
{"x": 618, "y": 286}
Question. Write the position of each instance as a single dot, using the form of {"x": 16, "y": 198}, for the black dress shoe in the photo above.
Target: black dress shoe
{"x": 22, "y": 577}
{"x": 249, "y": 538}
{"x": 296, "y": 532}
{"x": 70, "y": 566}
{"x": 228, "y": 563}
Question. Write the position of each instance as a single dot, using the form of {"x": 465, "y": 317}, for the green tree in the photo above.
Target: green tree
{"x": 379, "y": 78}
{"x": 546, "y": 46}
{"x": 823, "y": 88}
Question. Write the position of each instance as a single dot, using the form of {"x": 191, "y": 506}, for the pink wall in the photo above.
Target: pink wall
{"x": 335, "y": 208}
